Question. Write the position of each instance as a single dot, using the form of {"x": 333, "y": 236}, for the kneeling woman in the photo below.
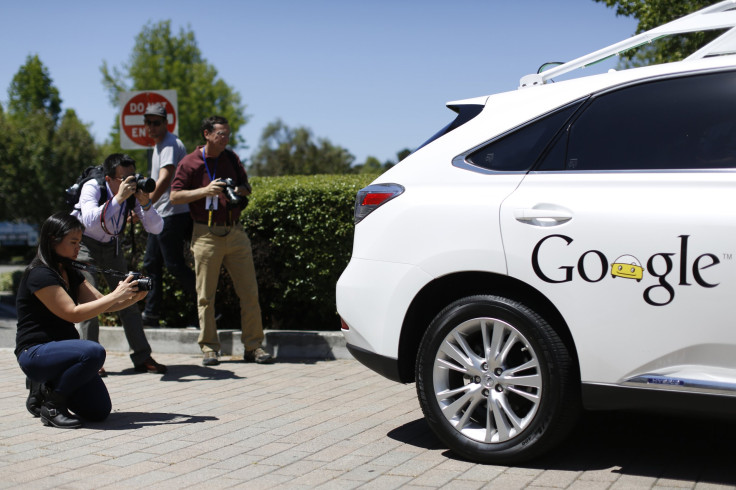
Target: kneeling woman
{"x": 62, "y": 370}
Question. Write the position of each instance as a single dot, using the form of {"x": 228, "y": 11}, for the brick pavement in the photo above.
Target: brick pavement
{"x": 322, "y": 424}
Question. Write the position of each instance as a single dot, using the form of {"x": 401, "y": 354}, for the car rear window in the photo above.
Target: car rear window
{"x": 519, "y": 149}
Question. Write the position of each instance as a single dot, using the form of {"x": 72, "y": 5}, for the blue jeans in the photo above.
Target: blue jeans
{"x": 167, "y": 248}
{"x": 70, "y": 367}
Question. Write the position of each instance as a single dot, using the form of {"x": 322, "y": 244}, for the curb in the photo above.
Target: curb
{"x": 282, "y": 344}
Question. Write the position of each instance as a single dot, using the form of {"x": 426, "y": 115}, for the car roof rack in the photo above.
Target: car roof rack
{"x": 719, "y": 16}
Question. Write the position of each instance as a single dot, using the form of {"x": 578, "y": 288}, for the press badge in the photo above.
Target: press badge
{"x": 211, "y": 202}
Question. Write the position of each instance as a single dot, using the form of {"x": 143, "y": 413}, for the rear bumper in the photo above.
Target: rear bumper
{"x": 385, "y": 366}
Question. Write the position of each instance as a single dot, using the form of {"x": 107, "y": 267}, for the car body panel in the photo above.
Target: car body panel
{"x": 622, "y": 253}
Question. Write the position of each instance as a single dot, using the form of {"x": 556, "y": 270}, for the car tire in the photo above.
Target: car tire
{"x": 483, "y": 351}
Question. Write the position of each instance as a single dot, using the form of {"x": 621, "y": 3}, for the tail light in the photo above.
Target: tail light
{"x": 374, "y": 196}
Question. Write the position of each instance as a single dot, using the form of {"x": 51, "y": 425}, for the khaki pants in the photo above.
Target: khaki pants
{"x": 232, "y": 250}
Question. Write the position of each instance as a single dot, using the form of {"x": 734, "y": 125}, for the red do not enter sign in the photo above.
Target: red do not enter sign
{"x": 133, "y": 132}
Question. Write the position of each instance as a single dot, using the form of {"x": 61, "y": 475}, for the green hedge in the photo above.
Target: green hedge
{"x": 301, "y": 229}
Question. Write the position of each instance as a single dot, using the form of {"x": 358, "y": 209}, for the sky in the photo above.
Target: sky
{"x": 371, "y": 76}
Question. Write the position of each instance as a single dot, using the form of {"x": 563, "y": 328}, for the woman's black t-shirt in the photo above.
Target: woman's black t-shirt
{"x": 36, "y": 323}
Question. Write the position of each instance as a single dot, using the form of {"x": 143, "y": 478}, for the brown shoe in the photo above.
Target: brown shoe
{"x": 257, "y": 355}
{"x": 102, "y": 373}
{"x": 150, "y": 366}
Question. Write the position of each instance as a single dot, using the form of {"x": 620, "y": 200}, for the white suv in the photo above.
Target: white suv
{"x": 563, "y": 246}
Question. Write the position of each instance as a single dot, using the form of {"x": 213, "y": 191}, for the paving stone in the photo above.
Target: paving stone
{"x": 316, "y": 424}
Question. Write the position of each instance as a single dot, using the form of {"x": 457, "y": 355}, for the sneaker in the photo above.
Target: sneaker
{"x": 150, "y": 366}
{"x": 257, "y": 355}
{"x": 210, "y": 359}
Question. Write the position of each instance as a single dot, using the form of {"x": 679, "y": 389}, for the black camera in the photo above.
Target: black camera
{"x": 232, "y": 197}
{"x": 144, "y": 283}
{"x": 145, "y": 184}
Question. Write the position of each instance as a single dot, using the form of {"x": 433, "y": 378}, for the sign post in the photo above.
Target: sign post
{"x": 133, "y": 133}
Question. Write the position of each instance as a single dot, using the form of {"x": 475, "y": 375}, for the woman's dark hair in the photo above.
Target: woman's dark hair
{"x": 53, "y": 231}
{"x": 116, "y": 160}
{"x": 208, "y": 124}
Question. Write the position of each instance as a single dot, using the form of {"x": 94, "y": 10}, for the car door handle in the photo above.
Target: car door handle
{"x": 542, "y": 217}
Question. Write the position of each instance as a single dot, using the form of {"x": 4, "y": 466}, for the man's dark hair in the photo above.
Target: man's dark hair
{"x": 117, "y": 160}
{"x": 53, "y": 231}
{"x": 208, "y": 124}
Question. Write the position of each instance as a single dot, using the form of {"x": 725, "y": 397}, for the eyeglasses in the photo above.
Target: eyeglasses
{"x": 224, "y": 134}
{"x": 155, "y": 124}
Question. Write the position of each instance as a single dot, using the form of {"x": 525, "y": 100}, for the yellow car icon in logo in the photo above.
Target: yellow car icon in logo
{"x": 627, "y": 266}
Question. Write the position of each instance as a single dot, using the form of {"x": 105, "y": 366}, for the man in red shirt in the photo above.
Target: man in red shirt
{"x": 213, "y": 182}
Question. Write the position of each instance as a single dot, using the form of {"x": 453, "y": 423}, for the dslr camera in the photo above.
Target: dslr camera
{"x": 145, "y": 184}
{"x": 232, "y": 197}
{"x": 144, "y": 283}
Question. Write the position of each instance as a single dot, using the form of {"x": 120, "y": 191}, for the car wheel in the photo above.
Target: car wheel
{"x": 495, "y": 381}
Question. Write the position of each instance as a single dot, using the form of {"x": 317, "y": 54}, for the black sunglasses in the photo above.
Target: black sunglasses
{"x": 155, "y": 123}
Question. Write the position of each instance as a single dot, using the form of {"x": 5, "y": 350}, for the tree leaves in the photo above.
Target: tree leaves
{"x": 287, "y": 151}
{"x": 161, "y": 60}
{"x": 653, "y": 13}
{"x": 41, "y": 156}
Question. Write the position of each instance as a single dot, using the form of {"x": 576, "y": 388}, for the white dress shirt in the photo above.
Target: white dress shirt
{"x": 90, "y": 214}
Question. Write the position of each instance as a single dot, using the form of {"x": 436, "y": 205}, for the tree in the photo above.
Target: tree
{"x": 74, "y": 149}
{"x": 40, "y": 158}
{"x": 32, "y": 91}
{"x": 286, "y": 151}
{"x": 403, "y": 154}
{"x": 653, "y": 13}
{"x": 373, "y": 166}
{"x": 161, "y": 61}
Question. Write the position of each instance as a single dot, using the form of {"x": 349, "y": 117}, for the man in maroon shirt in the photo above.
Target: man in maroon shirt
{"x": 213, "y": 182}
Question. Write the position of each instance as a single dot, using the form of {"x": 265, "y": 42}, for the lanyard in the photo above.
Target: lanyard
{"x": 121, "y": 217}
{"x": 214, "y": 172}
{"x": 211, "y": 175}
{"x": 115, "y": 221}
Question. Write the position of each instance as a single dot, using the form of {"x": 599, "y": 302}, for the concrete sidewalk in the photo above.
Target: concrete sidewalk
{"x": 306, "y": 422}
{"x": 320, "y": 424}
{"x": 284, "y": 344}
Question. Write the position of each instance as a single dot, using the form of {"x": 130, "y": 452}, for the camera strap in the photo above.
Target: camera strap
{"x": 82, "y": 266}
{"x": 125, "y": 210}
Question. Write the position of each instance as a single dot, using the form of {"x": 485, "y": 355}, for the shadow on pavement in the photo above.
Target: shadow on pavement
{"x": 637, "y": 444}
{"x": 185, "y": 373}
{"x": 138, "y": 420}
{"x": 417, "y": 434}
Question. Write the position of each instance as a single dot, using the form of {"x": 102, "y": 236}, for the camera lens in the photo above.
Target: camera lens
{"x": 146, "y": 184}
{"x": 144, "y": 284}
